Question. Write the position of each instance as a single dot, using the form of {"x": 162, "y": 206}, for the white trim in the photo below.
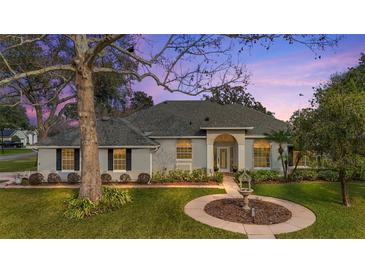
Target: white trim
{"x": 228, "y": 148}
{"x": 226, "y": 128}
{"x": 255, "y": 137}
{"x": 188, "y": 163}
{"x": 68, "y": 170}
{"x": 150, "y": 163}
{"x": 177, "y": 137}
{"x": 118, "y": 170}
{"x": 37, "y": 147}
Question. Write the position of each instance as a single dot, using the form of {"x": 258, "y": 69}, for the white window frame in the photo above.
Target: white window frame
{"x": 253, "y": 158}
{"x": 67, "y": 170}
{"x": 120, "y": 170}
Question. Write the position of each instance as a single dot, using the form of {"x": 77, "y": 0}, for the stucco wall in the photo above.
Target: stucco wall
{"x": 199, "y": 153}
{"x": 140, "y": 163}
{"x": 249, "y": 154}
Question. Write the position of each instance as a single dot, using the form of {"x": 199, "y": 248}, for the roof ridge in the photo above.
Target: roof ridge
{"x": 136, "y": 130}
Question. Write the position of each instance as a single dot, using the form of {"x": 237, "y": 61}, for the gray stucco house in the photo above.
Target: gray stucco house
{"x": 172, "y": 135}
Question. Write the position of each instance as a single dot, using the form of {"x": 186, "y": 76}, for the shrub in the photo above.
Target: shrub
{"x": 144, "y": 178}
{"x": 54, "y": 178}
{"x": 304, "y": 174}
{"x": 328, "y": 175}
{"x": 178, "y": 175}
{"x": 25, "y": 181}
{"x": 112, "y": 199}
{"x": 159, "y": 177}
{"x": 199, "y": 175}
{"x": 125, "y": 178}
{"x": 36, "y": 178}
{"x": 73, "y": 178}
{"x": 262, "y": 175}
{"x": 217, "y": 177}
{"x": 106, "y": 178}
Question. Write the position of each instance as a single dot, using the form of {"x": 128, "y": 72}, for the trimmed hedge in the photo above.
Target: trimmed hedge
{"x": 36, "y": 178}
{"x": 54, "y": 178}
{"x": 73, "y": 178}
{"x": 178, "y": 175}
{"x": 106, "y": 178}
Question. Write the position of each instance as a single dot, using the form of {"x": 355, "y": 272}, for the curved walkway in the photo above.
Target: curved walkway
{"x": 301, "y": 218}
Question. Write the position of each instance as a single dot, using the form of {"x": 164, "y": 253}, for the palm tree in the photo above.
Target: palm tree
{"x": 281, "y": 137}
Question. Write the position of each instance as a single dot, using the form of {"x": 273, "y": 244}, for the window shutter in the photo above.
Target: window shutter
{"x": 77, "y": 158}
{"x": 129, "y": 159}
{"x": 58, "y": 159}
{"x": 110, "y": 159}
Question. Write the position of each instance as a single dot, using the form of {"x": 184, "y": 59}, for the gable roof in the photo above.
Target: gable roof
{"x": 7, "y": 132}
{"x": 111, "y": 132}
{"x": 187, "y": 118}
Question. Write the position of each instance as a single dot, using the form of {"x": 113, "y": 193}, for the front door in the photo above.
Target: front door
{"x": 223, "y": 159}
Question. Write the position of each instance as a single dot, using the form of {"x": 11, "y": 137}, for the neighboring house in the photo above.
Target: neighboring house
{"x": 172, "y": 135}
{"x": 26, "y": 137}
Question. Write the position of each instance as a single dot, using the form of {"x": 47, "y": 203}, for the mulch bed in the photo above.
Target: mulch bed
{"x": 266, "y": 213}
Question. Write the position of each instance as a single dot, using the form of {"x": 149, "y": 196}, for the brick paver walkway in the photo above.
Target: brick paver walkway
{"x": 301, "y": 218}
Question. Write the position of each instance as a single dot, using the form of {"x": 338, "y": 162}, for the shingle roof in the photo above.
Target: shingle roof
{"x": 8, "y": 132}
{"x": 111, "y": 132}
{"x": 185, "y": 118}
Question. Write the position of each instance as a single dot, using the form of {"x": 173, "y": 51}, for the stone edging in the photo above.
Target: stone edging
{"x": 301, "y": 218}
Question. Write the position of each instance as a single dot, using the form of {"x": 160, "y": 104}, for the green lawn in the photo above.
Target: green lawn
{"x": 23, "y": 164}
{"x": 155, "y": 213}
{"x": 158, "y": 213}
{"x": 10, "y": 151}
{"x": 333, "y": 219}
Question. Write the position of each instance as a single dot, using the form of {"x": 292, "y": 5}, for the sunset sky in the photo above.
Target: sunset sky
{"x": 279, "y": 74}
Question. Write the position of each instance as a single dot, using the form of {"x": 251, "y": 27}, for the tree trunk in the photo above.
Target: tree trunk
{"x": 42, "y": 132}
{"x": 90, "y": 170}
{"x": 281, "y": 151}
{"x": 344, "y": 189}
{"x": 296, "y": 163}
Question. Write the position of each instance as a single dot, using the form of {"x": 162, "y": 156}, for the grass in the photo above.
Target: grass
{"x": 324, "y": 199}
{"x": 23, "y": 164}
{"x": 11, "y": 151}
{"x": 154, "y": 213}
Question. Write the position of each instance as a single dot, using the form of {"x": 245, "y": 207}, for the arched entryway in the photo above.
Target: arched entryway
{"x": 225, "y": 153}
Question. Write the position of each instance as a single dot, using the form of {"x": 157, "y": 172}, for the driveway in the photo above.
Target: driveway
{"x": 18, "y": 156}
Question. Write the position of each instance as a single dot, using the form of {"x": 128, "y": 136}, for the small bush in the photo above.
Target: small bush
{"x": 125, "y": 178}
{"x": 106, "y": 178}
{"x": 144, "y": 178}
{"x": 54, "y": 178}
{"x": 304, "y": 174}
{"x": 199, "y": 175}
{"x": 81, "y": 208}
{"x": 262, "y": 175}
{"x": 328, "y": 175}
{"x": 217, "y": 177}
{"x": 25, "y": 181}
{"x": 36, "y": 179}
{"x": 73, "y": 178}
{"x": 159, "y": 177}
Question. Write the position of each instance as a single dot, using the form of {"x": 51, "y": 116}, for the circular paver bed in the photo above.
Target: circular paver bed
{"x": 266, "y": 213}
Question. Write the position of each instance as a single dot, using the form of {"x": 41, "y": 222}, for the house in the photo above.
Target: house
{"x": 26, "y": 137}
{"x": 172, "y": 135}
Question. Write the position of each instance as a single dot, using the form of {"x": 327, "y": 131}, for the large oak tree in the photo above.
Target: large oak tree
{"x": 189, "y": 64}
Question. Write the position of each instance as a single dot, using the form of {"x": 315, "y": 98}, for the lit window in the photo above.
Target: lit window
{"x": 183, "y": 149}
{"x": 119, "y": 159}
{"x": 261, "y": 150}
{"x": 68, "y": 159}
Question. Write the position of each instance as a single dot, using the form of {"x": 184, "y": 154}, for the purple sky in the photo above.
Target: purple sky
{"x": 279, "y": 74}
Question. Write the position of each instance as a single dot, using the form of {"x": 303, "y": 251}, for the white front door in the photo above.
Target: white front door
{"x": 223, "y": 159}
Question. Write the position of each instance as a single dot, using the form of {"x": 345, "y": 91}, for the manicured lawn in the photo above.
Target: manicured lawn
{"x": 155, "y": 213}
{"x": 333, "y": 219}
{"x": 23, "y": 164}
{"x": 10, "y": 151}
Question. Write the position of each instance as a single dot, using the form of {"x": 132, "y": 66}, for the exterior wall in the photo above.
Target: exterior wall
{"x": 274, "y": 162}
{"x": 140, "y": 163}
{"x": 165, "y": 156}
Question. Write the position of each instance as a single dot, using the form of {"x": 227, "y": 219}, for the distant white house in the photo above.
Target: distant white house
{"x": 27, "y": 137}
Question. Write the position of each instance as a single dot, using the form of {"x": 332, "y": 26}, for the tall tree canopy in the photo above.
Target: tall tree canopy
{"x": 337, "y": 123}
{"x": 189, "y": 64}
{"x": 236, "y": 95}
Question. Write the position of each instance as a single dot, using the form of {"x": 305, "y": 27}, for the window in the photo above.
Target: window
{"x": 68, "y": 159}
{"x": 261, "y": 150}
{"x": 183, "y": 149}
{"x": 119, "y": 159}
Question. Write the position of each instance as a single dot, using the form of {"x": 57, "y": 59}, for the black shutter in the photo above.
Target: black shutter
{"x": 110, "y": 159}
{"x": 129, "y": 159}
{"x": 77, "y": 158}
{"x": 58, "y": 159}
